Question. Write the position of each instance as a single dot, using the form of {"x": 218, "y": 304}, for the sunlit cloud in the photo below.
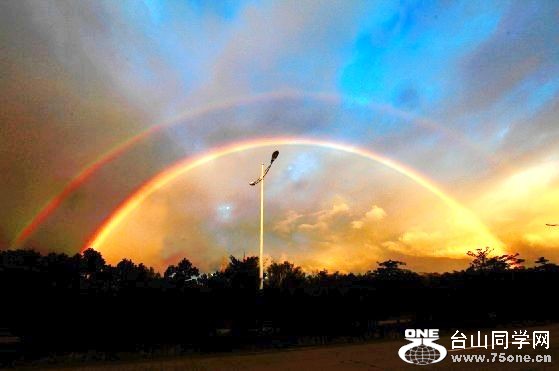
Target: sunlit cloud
{"x": 375, "y": 214}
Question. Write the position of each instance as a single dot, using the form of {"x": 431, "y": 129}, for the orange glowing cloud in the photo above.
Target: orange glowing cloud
{"x": 462, "y": 218}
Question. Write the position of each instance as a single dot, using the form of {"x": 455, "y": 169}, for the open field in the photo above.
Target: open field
{"x": 380, "y": 355}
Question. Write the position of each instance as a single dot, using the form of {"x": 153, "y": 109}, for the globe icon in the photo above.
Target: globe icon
{"x": 422, "y": 355}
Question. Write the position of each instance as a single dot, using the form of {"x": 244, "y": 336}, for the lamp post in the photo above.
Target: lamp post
{"x": 260, "y": 180}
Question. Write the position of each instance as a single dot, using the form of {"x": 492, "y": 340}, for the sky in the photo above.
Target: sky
{"x": 410, "y": 130}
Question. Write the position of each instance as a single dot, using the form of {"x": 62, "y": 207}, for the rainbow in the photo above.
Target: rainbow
{"x": 185, "y": 165}
{"x": 123, "y": 147}
{"x": 75, "y": 183}
{"x": 119, "y": 150}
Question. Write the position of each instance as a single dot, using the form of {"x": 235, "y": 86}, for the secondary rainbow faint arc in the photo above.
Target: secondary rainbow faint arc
{"x": 121, "y": 148}
{"x": 183, "y": 166}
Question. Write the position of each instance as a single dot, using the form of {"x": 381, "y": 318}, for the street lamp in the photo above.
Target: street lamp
{"x": 260, "y": 180}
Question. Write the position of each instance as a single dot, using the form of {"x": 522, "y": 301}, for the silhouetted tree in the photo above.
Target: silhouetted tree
{"x": 543, "y": 264}
{"x": 243, "y": 274}
{"x": 215, "y": 280}
{"x": 390, "y": 270}
{"x": 184, "y": 274}
{"x": 61, "y": 270}
{"x": 480, "y": 256}
{"x": 284, "y": 275}
{"x": 25, "y": 259}
{"x": 484, "y": 262}
{"x": 92, "y": 263}
{"x": 125, "y": 274}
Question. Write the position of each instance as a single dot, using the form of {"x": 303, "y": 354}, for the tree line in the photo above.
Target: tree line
{"x": 89, "y": 272}
{"x": 59, "y": 303}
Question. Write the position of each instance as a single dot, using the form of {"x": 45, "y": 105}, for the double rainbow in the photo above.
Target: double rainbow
{"x": 89, "y": 171}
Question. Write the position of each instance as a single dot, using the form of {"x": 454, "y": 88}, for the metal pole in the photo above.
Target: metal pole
{"x": 261, "y": 228}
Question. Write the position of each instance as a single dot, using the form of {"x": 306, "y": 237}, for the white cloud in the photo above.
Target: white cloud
{"x": 375, "y": 214}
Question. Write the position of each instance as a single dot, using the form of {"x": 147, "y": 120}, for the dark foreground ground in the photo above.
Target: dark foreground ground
{"x": 378, "y": 355}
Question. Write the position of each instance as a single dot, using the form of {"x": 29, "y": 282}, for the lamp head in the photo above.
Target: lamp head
{"x": 274, "y": 156}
